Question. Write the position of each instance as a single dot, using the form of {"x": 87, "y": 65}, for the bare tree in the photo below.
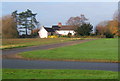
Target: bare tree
{"x": 77, "y": 21}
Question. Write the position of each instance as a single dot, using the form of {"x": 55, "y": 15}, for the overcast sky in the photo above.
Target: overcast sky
{"x": 49, "y": 13}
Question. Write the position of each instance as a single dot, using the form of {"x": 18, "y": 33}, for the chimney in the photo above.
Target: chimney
{"x": 59, "y": 24}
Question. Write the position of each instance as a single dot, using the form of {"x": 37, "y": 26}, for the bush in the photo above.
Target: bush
{"x": 35, "y": 33}
{"x": 53, "y": 36}
{"x": 108, "y": 35}
{"x": 69, "y": 35}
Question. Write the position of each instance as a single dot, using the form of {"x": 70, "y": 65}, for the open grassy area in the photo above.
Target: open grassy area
{"x": 104, "y": 50}
{"x": 23, "y": 42}
{"x": 57, "y": 74}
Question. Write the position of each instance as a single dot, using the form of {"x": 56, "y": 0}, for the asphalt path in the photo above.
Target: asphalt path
{"x": 42, "y": 47}
{"x": 9, "y": 62}
{"x": 27, "y": 64}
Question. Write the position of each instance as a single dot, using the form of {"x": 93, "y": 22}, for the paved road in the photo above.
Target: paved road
{"x": 27, "y": 64}
{"x": 9, "y": 62}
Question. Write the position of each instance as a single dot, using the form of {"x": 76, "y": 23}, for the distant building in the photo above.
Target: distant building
{"x": 50, "y": 31}
{"x": 59, "y": 29}
{"x": 42, "y": 32}
{"x": 65, "y": 29}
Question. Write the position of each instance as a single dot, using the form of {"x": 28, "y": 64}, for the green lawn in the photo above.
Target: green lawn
{"x": 104, "y": 50}
{"x": 57, "y": 74}
{"x": 23, "y": 42}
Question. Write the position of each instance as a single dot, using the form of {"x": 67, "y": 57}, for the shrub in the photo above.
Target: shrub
{"x": 53, "y": 36}
{"x": 69, "y": 35}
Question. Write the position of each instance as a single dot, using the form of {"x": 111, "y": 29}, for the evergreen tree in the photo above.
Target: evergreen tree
{"x": 84, "y": 29}
{"x": 25, "y": 21}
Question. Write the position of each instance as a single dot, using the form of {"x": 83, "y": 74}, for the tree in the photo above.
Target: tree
{"x": 0, "y": 27}
{"x": 116, "y": 23}
{"x": 9, "y": 29}
{"x": 25, "y": 21}
{"x": 108, "y": 29}
{"x": 77, "y": 21}
{"x": 69, "y": 35}
{"x": 101, "y": 28}
{"x": 81, "y": 27}
{"x": 35, "y": 32}
{"x": 113, "y": 27}
{"x": 84, "y": 29}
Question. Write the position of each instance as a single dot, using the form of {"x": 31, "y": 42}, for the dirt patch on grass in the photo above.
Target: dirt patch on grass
{"x": 17, "y": 56}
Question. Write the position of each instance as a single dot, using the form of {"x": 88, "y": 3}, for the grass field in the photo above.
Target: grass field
{"x": 57, "y": 74}
{"x": 15, "y": 43}
{"x": 104, "y": 50}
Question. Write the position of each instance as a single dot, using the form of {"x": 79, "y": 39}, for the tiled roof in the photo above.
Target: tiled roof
{"x": 66, "y": 27}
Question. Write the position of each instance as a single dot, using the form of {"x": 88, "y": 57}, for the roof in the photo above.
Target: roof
{"x": 49, "y": 29}
{"x": 55, "y": 27}
{"x": 67, "y": 27}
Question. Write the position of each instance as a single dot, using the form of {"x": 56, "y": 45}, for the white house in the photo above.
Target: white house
{"x": 43, "y": 32}
{"x": 65, "y": 29}
{"x": 56, "y": 30}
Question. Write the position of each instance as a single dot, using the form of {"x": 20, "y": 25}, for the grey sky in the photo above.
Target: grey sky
{"x": 49, "y": 13}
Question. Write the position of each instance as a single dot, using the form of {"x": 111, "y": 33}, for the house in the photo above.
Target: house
{"x": 59, "y": 29}
{"x": 44, "y": 32}
{"x": 50, "y": 31}
{"x": 65, "y": 29}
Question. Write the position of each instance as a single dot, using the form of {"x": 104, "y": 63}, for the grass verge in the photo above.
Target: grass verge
{"x": 57, "y": 74}
{"x": 16, "y": 43}
{"x": 102, "y": 50}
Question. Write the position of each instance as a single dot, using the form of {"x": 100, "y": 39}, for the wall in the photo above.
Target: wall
{"x": 43, "y": 33}
{"x": 65, "y": 32}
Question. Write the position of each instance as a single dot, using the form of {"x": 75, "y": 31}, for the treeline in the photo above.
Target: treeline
{"x": 109, "y": 29}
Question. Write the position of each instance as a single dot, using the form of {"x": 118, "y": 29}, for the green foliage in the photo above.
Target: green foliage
{"x": 35, "y": 32}
{"x": 84, "y": 30}
{"x": 69, "y": 35}
{"x": 26, "y": 20}
{"x": 109, "y": 35}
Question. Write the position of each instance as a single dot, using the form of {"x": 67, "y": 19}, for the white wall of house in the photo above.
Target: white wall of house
{"x": 43, "y": 33}
{"x": 65, "y": 32}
